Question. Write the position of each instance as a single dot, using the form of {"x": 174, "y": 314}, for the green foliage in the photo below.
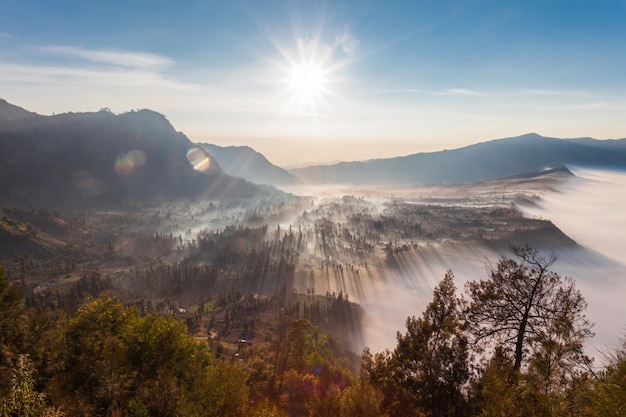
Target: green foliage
{"x": 361, "y": 400}
{"x": 430, "y": 363}
{"x": 433, "y": 354}
{"x": 300, "y": 338}
{"x": 381, "y": 370}
{"x": 608, "y": 397}
{"x": 12, "y": 327}
{"x": 11, "y": 311}
{"x": 224, "y": 391}
{"x": 11, "y": 226}
{"x": 108, "y": 359}
{"x": 493, "y": 391}
{"x": 536, "y": 318}
{"x": 23, "y": 399}
{"x": 303, "y": 369}
{"x": 507, "y": 392}
{"x": 267, "y": 409}
{"x": 94, "y": 372}
{"x": 328, "y": 405}
{"x": 525, "y": 307}
{"x": 503, "y": 391}
{"x": 113, "y": 359}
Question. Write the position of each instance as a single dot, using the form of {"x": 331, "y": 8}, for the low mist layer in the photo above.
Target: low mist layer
{"x": 585, "y": 208}
{"x": 590, "y": 210}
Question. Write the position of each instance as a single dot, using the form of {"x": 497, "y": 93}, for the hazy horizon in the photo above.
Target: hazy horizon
{"x": 318, "y": 81}
{"x": 376, "y": 150}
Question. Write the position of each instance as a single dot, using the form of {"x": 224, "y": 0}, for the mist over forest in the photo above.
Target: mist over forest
{"x": 140, "y": 276}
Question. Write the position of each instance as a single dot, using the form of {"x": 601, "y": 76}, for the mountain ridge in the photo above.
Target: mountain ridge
{"x": 138, "y": 155}
{"x": 104, "y": 159}
{"x": 247, "y": 163}
{"x": 10, "y": 112}
{"x": 497, "y": 158}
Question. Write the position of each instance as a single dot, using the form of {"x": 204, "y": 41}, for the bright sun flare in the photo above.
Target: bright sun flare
{"x": 307, "y": 82}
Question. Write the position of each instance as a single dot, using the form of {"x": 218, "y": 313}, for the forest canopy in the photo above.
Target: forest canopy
{"x": 109, "y": 358}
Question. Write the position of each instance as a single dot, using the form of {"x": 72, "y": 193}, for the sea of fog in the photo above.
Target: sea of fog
{"x": 588, "y": 208}
{"x": 591, "y": 209}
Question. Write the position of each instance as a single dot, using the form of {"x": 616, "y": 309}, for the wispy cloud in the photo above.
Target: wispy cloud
{"x": 543, "y": 92}
{"x": 69, "y": 75}
{"x": 445, "y": 92}
{"x": 91, "y": 67}
{"x": 599, "y": 105}
{"x": 459, "y": 92}
{"x": 113, "y": 57}
{"x": 347, "y": 41}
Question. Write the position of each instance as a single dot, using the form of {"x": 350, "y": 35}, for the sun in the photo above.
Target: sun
{"x": 311, "y": 72}
{"x": 307, "y": 82}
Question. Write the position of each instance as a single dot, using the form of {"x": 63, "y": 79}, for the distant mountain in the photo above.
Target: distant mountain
{"x": 103, "y": 159}
{"x": 10, "y": 112}
{"x": 483, "y": 161}
{"x": 548, "y": 170}
{"x": 245, "y": 162}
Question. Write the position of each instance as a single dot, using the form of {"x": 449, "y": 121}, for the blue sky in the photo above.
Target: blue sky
{"x": 395, "y": 77}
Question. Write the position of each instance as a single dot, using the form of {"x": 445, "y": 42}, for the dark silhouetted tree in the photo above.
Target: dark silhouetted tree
{"x": 528, "y": 307}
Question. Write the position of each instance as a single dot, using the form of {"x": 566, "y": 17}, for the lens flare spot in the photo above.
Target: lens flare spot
{"x": 198, "y": 159}
{"x": 126, "y": 163}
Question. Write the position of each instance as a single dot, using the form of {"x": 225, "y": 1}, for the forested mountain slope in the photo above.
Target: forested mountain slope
{"x": 104, "y": 159}
{"x": 245, "y": 162}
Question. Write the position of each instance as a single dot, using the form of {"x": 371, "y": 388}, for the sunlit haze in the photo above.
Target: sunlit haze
{"x": 584, "y": 209}
{"x": 314, "y": 81}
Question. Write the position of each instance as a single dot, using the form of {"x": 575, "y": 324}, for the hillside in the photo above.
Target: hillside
{"x": 10, "y": 112}
{"x": 483, "y": 161}
{"x": 103, "y": 159}
{"x": 246, "y": 163}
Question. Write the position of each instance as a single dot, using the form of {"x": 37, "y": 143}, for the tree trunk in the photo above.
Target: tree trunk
{"x": 519, "y": 343}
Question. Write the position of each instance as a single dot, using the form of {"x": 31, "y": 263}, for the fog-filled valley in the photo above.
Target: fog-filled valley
{"x": 585, "y": 208}
{"x": 144, "y": 254}
{"x": 589, "y": 210}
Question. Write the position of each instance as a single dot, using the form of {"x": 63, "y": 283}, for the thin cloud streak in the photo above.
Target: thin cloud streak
{"x": 93, "y": 67}
{"x": 113, "y": 57}
{"x": 446, "y": 92}
{"x": 540, "y": 92}
{"x": 592, "y": 106}
{"x": 46, "y": 74}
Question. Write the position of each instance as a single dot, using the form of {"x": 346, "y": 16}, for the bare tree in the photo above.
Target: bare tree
{"x": 523, "y": 302}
